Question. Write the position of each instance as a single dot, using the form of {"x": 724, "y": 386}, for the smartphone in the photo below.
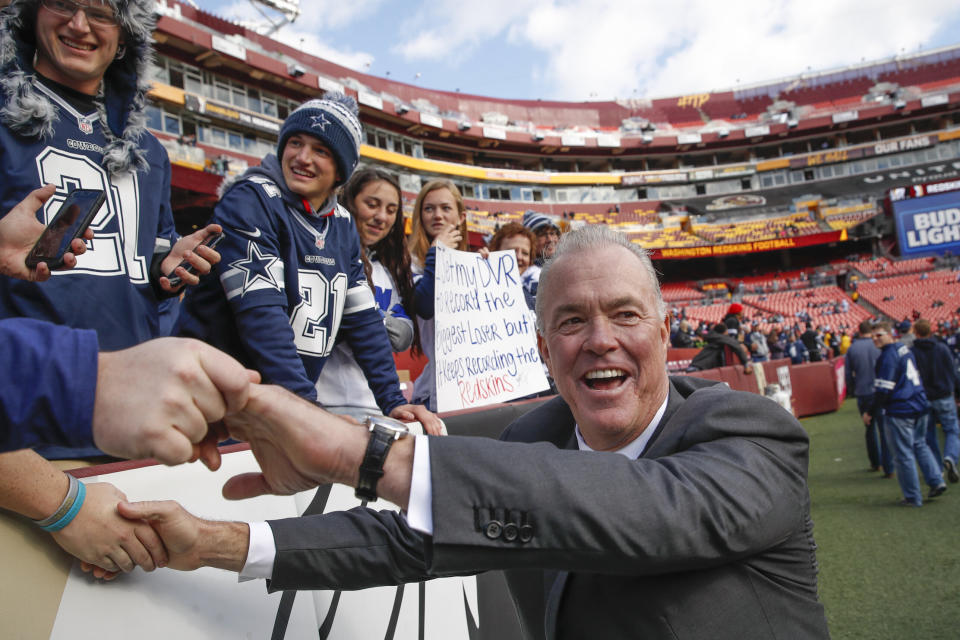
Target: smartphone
{"x": 75, "y": 215}
{"x": 210, "y": 241}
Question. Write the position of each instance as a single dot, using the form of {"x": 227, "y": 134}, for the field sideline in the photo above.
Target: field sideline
{"x": 885, "y": 571}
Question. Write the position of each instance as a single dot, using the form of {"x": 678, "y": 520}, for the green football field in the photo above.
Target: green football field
{"x": 885, "y": 571}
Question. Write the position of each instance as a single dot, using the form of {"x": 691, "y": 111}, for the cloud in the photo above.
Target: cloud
{"x": 450, "y": 31}
{"x": 601, "y": 49}
{"x": 790, "y": 38}
{"x": 626, "y": 48}
{"x": 315, "y": 45}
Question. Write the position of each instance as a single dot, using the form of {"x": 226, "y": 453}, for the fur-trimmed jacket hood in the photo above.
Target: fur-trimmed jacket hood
{"x": 122, "y": 97}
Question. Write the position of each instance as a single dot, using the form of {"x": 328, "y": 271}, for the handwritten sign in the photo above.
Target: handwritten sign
{"x": 485, "y": 347}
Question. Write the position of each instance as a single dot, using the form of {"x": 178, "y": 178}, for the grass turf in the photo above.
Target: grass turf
{"x": 885, "y": 571}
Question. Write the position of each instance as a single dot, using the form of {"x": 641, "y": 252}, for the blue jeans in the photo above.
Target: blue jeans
{"x": 944, "y": 411}
{"x": 877, "y": 450}
{"x": 907, "y": 438}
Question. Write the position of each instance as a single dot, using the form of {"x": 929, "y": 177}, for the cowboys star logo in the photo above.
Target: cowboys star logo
{"x": 319, "y": 122}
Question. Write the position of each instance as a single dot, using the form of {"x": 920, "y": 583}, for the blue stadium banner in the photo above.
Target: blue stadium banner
{"x": 929, "y": 225}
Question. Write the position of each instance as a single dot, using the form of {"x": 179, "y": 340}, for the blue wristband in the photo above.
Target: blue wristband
{"x": 71, "y": 513}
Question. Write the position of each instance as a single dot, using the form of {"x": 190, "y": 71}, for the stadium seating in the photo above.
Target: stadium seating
{"x": 904, "y": 296}
{"x": 795, "y": 224}
{"x": 819, "y": 302}
{"x": 677, "y": 292}
{"x": 881, "y": 267}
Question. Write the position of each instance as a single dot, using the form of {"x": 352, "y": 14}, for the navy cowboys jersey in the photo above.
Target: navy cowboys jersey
{"x": 109, "y": 289}
{"x": 897, "y": 386}
{"x": 288, "y": 282}
{"x": 342, "y": 383}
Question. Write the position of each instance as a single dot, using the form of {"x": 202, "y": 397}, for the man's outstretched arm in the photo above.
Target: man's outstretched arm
{"x": 300, "y": 446}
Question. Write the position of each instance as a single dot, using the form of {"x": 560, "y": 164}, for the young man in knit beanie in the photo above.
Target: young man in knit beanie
{"x": 291, "y": 281}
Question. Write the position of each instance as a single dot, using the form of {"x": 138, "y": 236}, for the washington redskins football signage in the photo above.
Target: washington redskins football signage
{"x": 774, "y": 244}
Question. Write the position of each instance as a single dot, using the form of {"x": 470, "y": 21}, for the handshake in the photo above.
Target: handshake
{"x": 174, "y": 399}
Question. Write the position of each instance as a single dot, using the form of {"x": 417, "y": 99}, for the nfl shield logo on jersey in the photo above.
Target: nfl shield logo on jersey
{"x": 85, "y": 125}
{"x": 320, "y": 242}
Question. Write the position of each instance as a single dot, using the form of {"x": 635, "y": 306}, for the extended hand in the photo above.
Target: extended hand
{"x": 191, "y": 542}
{"x": 157, "y": 398}
{"x": 186, "y": 248}
{"x": 101, "y": 538}
{"x": 297, "y": 444}
{"x": 20, "y": 230}
{"x": 432, "y": 425}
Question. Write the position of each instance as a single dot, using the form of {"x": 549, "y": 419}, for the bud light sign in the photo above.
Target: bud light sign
{"x": 929, "y": 225}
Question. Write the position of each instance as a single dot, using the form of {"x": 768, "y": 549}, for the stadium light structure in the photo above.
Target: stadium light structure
{"x": 295, "y": 70}
{"x": 288, "y": 9}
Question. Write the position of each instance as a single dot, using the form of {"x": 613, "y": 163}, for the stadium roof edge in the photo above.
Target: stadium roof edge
{"x": 955, "y": 48}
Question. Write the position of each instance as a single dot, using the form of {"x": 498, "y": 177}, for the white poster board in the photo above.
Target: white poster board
{"x": 485, "y": 346}
{"x": 210, "y": 603}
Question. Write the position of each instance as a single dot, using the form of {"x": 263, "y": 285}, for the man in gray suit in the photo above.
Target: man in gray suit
{"x": 632, "y": 506}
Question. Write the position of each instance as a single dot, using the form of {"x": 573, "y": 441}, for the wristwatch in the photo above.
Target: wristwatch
{"x": 384, "y": 432}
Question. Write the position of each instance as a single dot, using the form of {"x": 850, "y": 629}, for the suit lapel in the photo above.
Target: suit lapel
{"x": 555, "y": 581}
{"x": 554, "y": 593}
{"x": 552, "y": 609}
{"x": 674, "y": 400}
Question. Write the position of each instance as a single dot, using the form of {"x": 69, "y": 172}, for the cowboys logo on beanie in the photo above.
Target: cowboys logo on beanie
{"x": 333, "y": 120}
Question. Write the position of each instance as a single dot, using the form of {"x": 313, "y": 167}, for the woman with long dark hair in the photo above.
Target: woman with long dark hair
{"x": 373, "y": 198}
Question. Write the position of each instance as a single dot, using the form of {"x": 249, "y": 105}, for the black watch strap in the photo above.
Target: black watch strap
{"x": 382, "y": 438}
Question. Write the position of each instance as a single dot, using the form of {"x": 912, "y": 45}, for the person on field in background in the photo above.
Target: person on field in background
{"x": 898, "y": 392}
{"x": 860, "y": 362}
{"x": 942, "y": 385}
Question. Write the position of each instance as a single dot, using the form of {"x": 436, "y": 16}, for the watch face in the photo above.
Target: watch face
{"x": 387, "y": 424}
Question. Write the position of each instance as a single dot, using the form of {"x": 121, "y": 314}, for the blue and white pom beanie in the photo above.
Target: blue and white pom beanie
{"x": 533, "y": 221}
{"x": 333, "y": 120}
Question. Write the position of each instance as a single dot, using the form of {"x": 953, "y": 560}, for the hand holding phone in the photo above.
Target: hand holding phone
{"x": 75, "y": 215}
{"x": 211, "y": 241}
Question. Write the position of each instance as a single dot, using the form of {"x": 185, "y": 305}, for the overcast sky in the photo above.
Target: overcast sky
{"x": 605, "y": 49}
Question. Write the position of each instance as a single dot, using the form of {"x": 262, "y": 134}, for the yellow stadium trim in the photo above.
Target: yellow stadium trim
{"x": 167, "y": 93}
{"x": 770, "y": 165}
{"x": 189, "y": 165}
{"x": 948, "y": 135}
{"x": 420, "y": 164}
{"x": 481, "y": 173}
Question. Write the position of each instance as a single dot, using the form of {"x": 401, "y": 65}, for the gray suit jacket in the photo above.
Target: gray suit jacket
{"x": 708, "y": 534}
